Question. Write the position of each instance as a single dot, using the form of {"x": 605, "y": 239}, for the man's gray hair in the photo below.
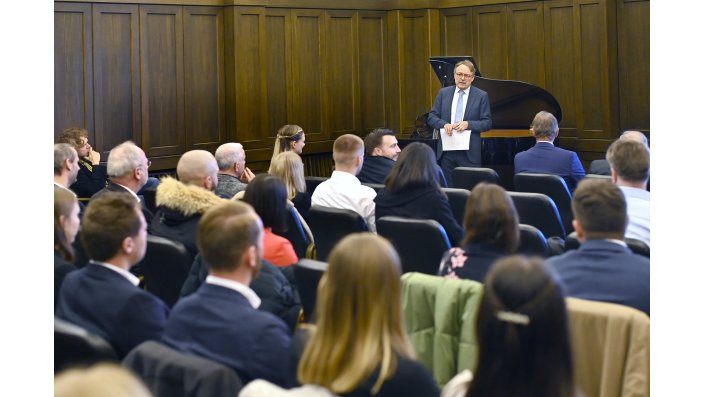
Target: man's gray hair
{"x": 123, "y": 159}
{"x": 63, "y": 152}
{"x": 228, "y": 154}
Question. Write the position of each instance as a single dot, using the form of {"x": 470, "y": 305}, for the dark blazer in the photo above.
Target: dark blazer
{"x": 375, "y": 169}
{"x": 219, "y": 323}
{"x": 107, "y": 304}
{"x": 419, "y": 203}
{"x": 601, "y": 270}
{"x": 477, "y": 114}
{"x": 600, "y": 167}
{"x": 545, "y": 158}
{"x": 90, "y": 178}
{"x": 61, "y": 269}
{"x": 114, "y": 187}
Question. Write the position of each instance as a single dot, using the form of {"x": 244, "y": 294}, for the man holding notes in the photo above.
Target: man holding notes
{"x": 460, "y": 113}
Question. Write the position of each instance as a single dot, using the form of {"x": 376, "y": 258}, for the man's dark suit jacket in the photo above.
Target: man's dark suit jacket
{"x": 477, "y": 114}
{"x": 105, "y": 303}
{"x": 114, "y": 187}
{"x": 600, "y": 167}
{"x": 605, "y": 271}
{"x": 545, "y": 158}
{"x": 219, "y": 323}
{"x": 375, "y": 169}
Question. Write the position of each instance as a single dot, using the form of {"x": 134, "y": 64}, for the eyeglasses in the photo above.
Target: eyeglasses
{"x": 149, "y": 163}
{"x": 461, "y": 75}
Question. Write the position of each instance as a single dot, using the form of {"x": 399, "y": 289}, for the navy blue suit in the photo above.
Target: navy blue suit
{"x": 602, "y": 270}
{"x": 107, "y": 304}
{"x": 477, "y": 114}
{"x": 219, "y": 323}
{"x": 544, "y": 158}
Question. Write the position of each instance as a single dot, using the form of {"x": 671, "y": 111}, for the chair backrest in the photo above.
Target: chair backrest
{"x": 610, "y": 345}
{"x": 420, "y": 243}
{"x": 308, "y": 273}
{"x": 150, "y": 198}
{"x": 313, "y": 181}
{"x": 330, "y": 225}
{"x": 74, "y": 346}
{"x": 532, "y": 241}
{"x": 458, "y": 199}
{"x": 636, "y": 246}
{"x": 295, "y": 232}
{"x": 165, "y": 267}
{"x": 468, "y": 177}
{"x": 168, "y": 372}
{"x": 554, "y": 187}
{"x": 376, "y": 186}
{"x": 539, "y": 211}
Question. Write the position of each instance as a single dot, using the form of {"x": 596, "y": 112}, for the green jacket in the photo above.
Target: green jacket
{"x": 440, "y": 319}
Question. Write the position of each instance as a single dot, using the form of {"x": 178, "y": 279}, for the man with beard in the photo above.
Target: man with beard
{"x": 220, "y": 321}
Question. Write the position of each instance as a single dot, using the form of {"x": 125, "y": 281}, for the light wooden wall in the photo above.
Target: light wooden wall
{"x": 175, "y": 77}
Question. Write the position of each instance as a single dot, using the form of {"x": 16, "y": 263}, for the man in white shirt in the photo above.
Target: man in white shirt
{"x": 343, "y": 189}
{"x": 629, "y": 161}
{"x": 220, "y": 321}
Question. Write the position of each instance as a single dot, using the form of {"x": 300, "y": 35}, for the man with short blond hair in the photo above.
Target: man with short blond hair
{"x": 602, "y": 167}
{"x": 343, "y": 189}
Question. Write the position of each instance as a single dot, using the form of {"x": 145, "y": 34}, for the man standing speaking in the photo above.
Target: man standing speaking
{"x": 460, "y": 113}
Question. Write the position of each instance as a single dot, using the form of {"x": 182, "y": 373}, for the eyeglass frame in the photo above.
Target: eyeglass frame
{"x": 461, "y": 75}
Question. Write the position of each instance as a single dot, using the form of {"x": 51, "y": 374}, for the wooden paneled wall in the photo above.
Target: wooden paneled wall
{"x": 176, "y": 77}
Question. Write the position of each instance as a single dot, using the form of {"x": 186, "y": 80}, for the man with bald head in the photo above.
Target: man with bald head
{"x": 180, "y": 203}
{"x": 602, "y": 167}
{"x": 233, "y": 175}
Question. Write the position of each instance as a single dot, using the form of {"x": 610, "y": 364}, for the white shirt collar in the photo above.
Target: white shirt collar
{"x": 246, "y": 291}
{"x": 549, "y": 142}
{"x": 345, "y": 175}
{"x": 620, "y": 242}
{"x": 129, "y": 276}
{"x": 465, "y": 91}
{"x": 129, "y": 190}
{"x": 65, "y": 188}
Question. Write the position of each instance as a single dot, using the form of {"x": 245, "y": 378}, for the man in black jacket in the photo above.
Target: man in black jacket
{"x": 381, "y": 151}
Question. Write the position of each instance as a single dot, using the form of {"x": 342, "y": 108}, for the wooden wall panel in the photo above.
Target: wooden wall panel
{"x": 204, "y": 77}
{"x": 490, "y": 41}
{"x": 278, "y": 74}
{"x": 456, "y": 32}
{"x": 413, "y": 67}
{"x": 73, "y": 68}
{"x": 308, "y": 106}
{"x": 526, "y": 52}
{"x": 116, "y": 75}
{"x": 161, "y": 69}
{"x": 634, "y": 68}
{"x": 372, "y": 44}
{"x": 251, "y": 121}
{"x": 342, "y": 82}
{"x": 560, "y": 60}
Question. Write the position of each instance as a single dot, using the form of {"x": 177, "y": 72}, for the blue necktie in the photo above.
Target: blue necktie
{"x": 459, "y": 108}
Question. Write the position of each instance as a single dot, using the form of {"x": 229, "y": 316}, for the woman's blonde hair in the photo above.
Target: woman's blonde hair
{"x": 359, "y": 325}
{"x": 290, "y": 168}
{"x": 105, "y": 380}
{"x": 285, "y": 136}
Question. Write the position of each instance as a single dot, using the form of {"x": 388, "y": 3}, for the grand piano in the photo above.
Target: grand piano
{"x": 513, "y": 105}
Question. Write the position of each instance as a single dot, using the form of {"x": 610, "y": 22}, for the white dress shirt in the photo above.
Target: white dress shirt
{"x": 343, "y": 190}
{"x": 639, "y": 212}
{"x": 129, "y": 276}
{"x": 246, "y": 291}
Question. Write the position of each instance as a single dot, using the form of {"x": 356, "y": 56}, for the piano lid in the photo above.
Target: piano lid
{"x": 513, "y": 103}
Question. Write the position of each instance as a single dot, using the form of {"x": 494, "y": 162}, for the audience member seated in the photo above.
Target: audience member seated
{"x": 491, "y": 232}
{"x": 128, "y": 171}
{"x": 289, "y": 137}
{"x": 66, "y": 225}
{"x": 381, "y": 151}
{"x": 267, "y": 195}
{"x": 105, "y": 380}
{"x": 359, "y": 346}
{"x": 290, "y": 168}
{"x": 603, "y": 268}
{"x": 65, "y": 166}
{"x": 629, "y": 162}
{"x": 602, "y": 167}
{"x": 412, "y": 191}
{"x": 522, "y": 334}
{"x": 220, "y": 321}
{"x": 180, "y": 204}
{"x": 103, "y": 297}
{"x": 343, "y": 189}
{"x": 92, "y": 176}
{"x": 233, "y": 175}
{"x": 545, "y": 158}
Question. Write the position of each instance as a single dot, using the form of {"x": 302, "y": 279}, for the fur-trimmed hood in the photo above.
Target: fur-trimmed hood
{"x": 186, "y": 199}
